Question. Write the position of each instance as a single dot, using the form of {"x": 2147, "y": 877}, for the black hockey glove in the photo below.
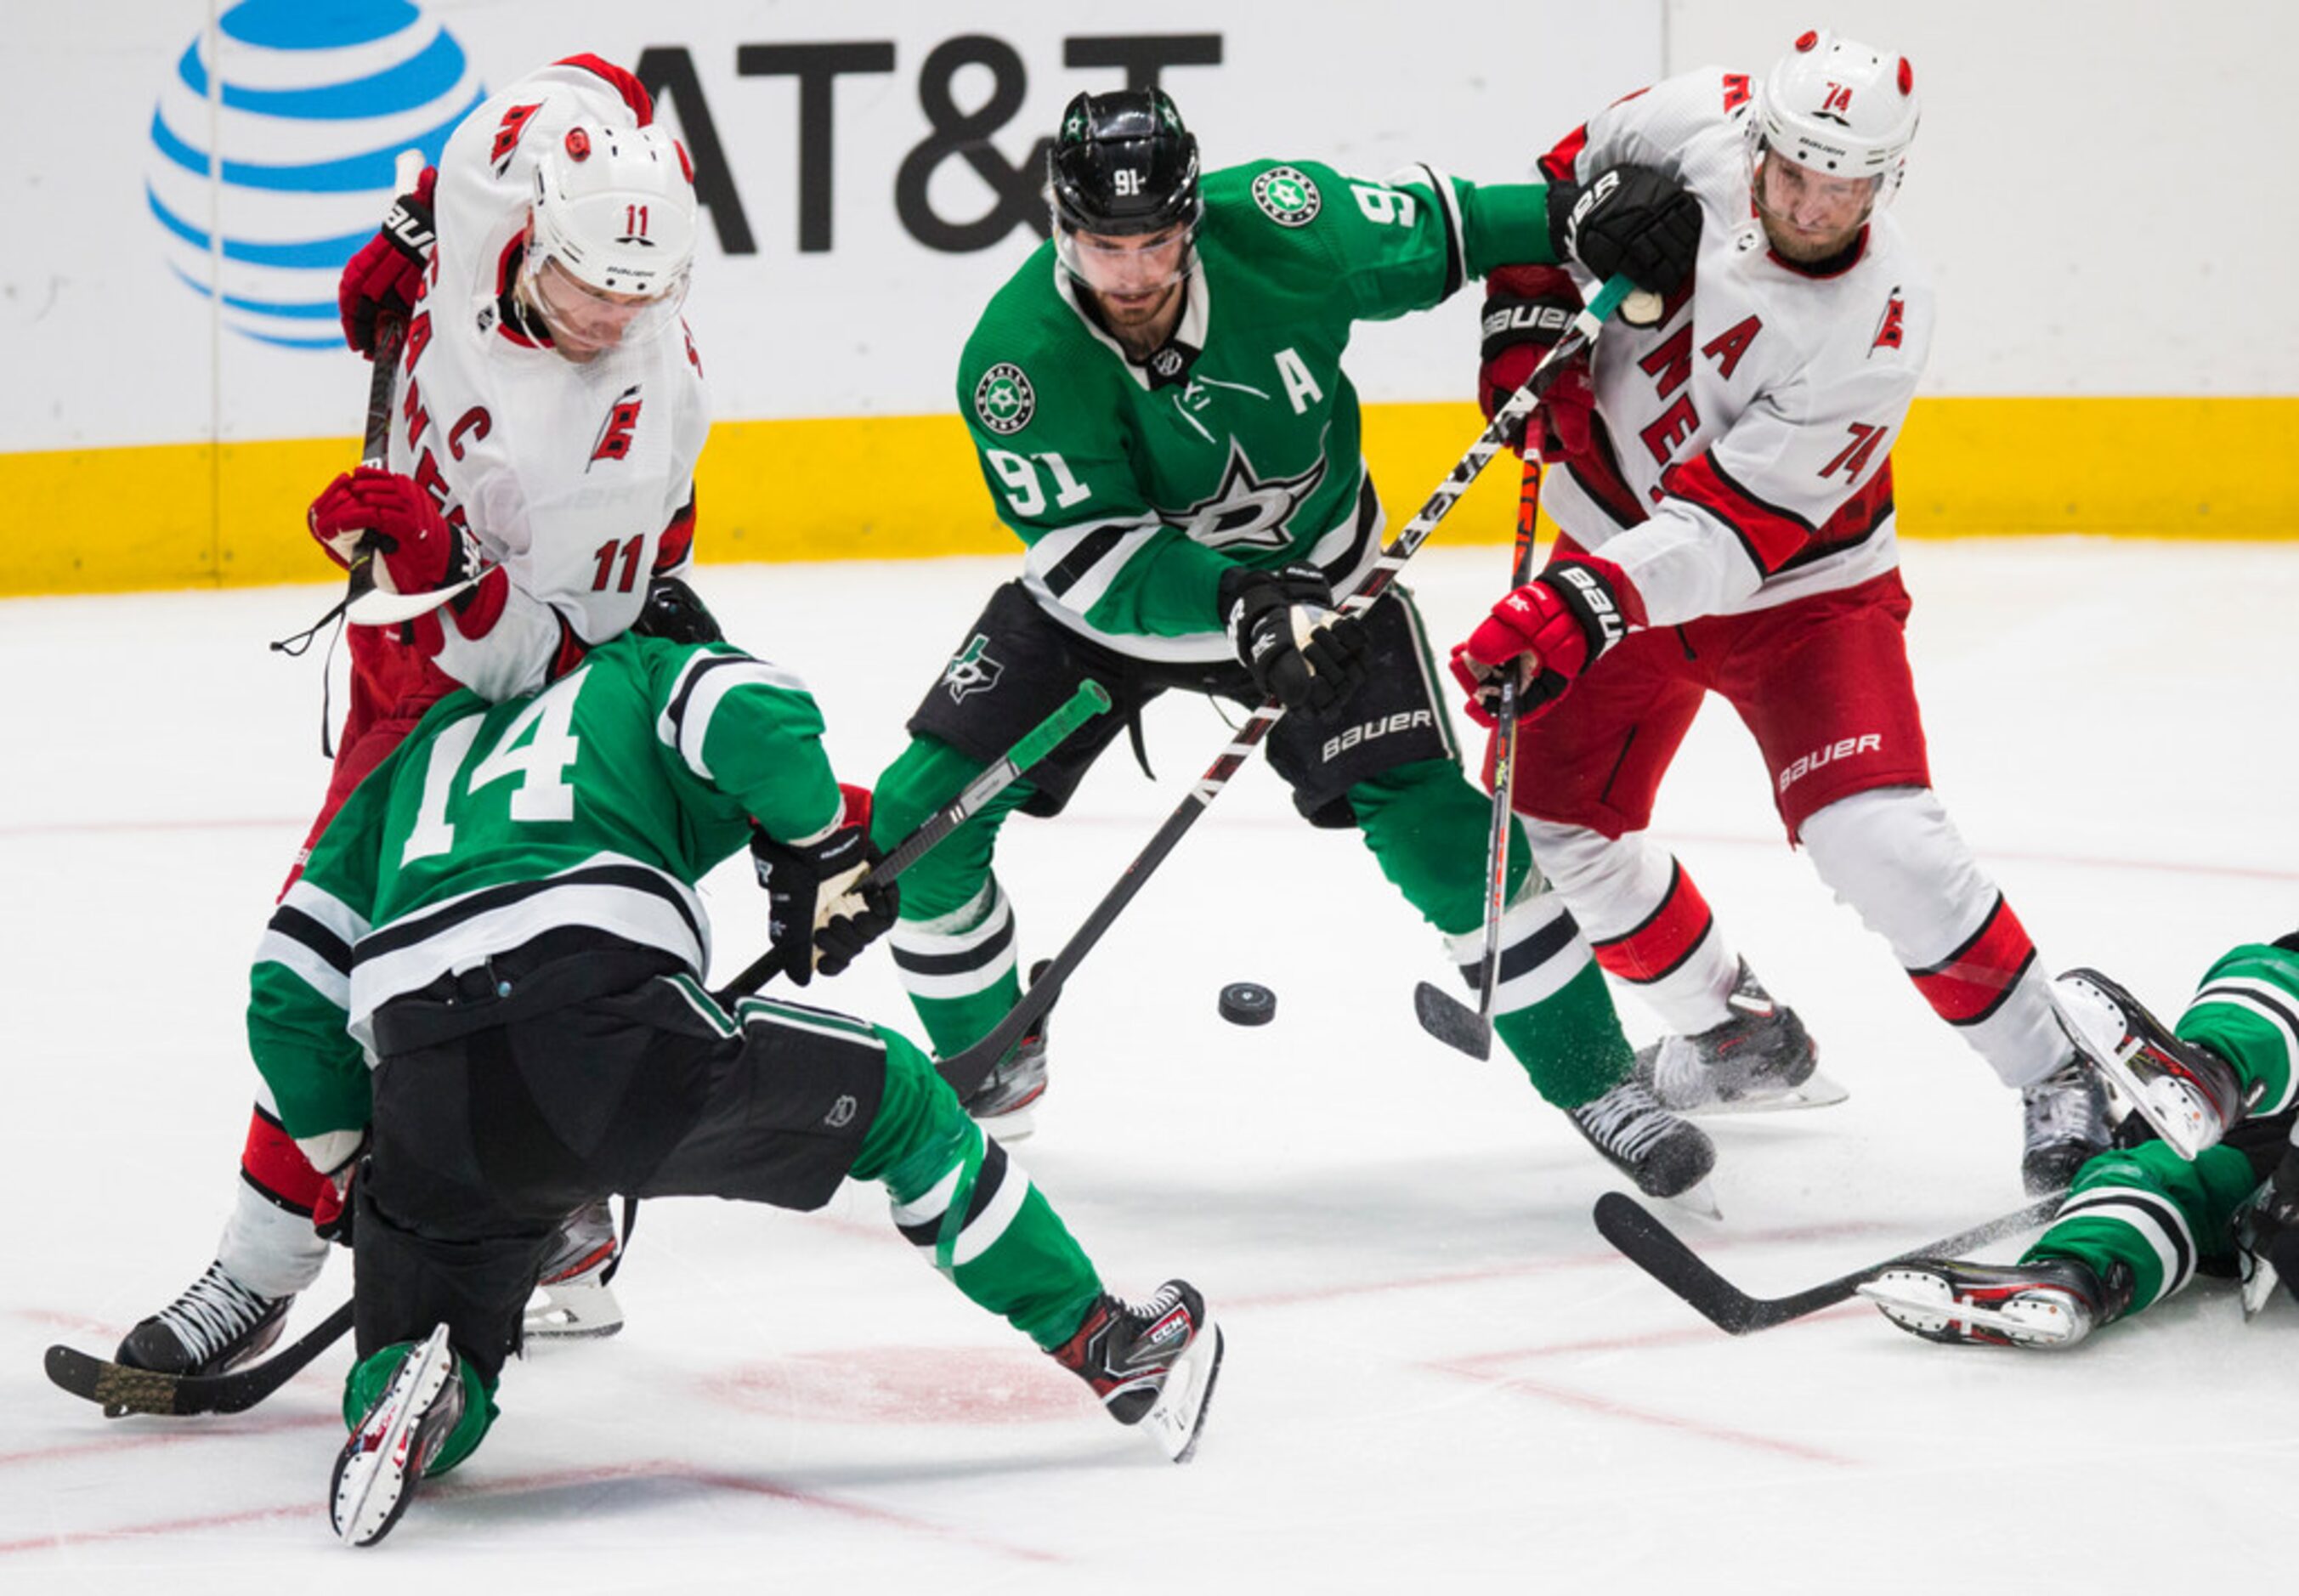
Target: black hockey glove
{"x": 820, "y": 915}
{"x": 673, "y": 613}
{"x": 2269, "y": 1229}
{"x": 1627, "y": 218}
{"x": 1286, "y": 632}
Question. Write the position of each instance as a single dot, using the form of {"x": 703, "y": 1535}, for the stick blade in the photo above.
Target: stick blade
{"x": 1657, "y": 1250}
{"x": 1452, "y": 1022}
{"x": 114, "y": 1387}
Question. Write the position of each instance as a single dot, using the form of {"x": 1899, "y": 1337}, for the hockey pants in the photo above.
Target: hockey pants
{"x": 484, "y": 1140}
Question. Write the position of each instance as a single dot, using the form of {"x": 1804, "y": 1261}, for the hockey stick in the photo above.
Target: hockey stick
{"x": 1662, "y": 1254}
{"x": 966, "y": 1070}
{"x": 1089, "y": 699}
{"x": 1441, "y": 1014}
{"x": 123, "y": 1390}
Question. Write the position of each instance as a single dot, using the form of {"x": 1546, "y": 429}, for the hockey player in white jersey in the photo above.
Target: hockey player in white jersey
{"x": 1727, "y": 510}
{"x": 549, "y": 410}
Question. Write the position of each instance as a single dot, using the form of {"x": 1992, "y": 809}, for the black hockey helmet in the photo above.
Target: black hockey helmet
{"x": 1122, "y": 163}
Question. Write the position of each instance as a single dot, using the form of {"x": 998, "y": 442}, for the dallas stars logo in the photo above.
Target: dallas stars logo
{"x": 1246, "y": 510}
{"x": 972, "y": 669}
{"x": 1004, "y": 400}
{"x": 1288, "y": 197}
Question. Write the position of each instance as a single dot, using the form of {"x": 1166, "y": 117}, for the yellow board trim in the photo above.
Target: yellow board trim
{"x": 904, "y": 488}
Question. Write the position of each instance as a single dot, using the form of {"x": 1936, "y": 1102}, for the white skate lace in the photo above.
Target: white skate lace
{"x": 214, "y": 1311}
{"x": 1625, "y": 1121}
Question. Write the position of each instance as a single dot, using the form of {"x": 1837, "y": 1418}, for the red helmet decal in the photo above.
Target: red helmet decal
{"x": 1808, "y": 41}
{"x": 578, "y": 145}
{"x": 686, "y": 166}
{"x": 1907, "y": 77}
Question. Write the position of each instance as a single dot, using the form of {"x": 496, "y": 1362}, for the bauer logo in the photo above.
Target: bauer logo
{"x": 273, "y": 143}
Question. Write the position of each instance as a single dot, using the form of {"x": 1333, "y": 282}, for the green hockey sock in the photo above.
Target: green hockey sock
{"x": 371, "y": 1376}
{"x": 971, "y": 1210}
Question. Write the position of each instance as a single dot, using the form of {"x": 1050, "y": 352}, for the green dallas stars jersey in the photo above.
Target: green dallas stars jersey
{"x": 596, "y": 803}
{"x": 1135, "y": 487}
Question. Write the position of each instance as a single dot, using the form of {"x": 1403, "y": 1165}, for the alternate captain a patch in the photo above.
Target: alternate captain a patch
{"x": 1288, "y": 195}
{"x": 1004, "y": 400}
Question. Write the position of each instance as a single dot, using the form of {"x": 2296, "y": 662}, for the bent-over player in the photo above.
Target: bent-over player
{"x": 549, "y": 413}
{"x": 1158, "y": 403}
{"x": 504, "y": 917}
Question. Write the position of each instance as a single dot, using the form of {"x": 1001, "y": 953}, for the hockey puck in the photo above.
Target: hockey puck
{"x": 1246, "y": 1003}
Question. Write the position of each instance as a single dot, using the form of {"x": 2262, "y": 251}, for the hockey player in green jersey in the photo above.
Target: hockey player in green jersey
{"x": 503, "y": 918}
{"x": 2194, "y": 1186}
{"x": 1162, "y": 418}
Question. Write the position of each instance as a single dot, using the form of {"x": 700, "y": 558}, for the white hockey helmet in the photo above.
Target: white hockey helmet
{"x": 1840, "y": 109}
{"x": 615, "y": 210}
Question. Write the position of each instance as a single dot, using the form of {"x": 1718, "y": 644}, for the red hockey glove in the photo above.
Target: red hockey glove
{"x": 1527, "y": 309}
{"x": 1551, "y": 629}
{"x": 819, "y": 915}
{"x": 416, "y": 548}
{"x": 337, "y": 1155}
{"x": 1627, "y": 218}
{"x": 386, "y": 277}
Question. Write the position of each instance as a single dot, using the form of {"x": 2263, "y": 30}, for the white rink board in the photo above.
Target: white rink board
{"x": 1439, "y": 1376}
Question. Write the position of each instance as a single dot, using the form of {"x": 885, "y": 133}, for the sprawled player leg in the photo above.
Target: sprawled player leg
{"x": 1893, "y": 857}
{"x": 2137, "y": 1226}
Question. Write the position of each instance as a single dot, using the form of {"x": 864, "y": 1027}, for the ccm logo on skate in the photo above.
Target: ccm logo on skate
{"x": 1403, "y": 720}
{"x": 1842, "y": 749}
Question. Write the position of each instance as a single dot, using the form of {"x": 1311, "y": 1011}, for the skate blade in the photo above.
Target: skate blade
{"x": 1931, "y": 1317}
{"x": 1180, "y": 1411}
{"x": 1699, "y": 1198}
{"x": 577, "y": 1311}
{"x": 1817, "y": 1092}
{"x": 2179, "y": 1134}
{"x": 374, "y": 1482}
{"x": 2258, "y": 1288}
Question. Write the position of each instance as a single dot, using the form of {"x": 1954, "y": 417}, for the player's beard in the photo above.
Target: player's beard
{"x": 1792, "y": 243}
{"x": 1140, "y": 322}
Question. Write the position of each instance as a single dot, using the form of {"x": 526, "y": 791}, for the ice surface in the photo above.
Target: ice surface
{"x": 1439, "y": 1376}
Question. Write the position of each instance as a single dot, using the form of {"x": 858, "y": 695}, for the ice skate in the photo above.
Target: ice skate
{"x": 2186, "y": 1092}
{"x": 1664, "y": 1155}
{"x": 381, "y": 1465}
{"x": 216, "y": 1325}
{"x": 1153, "y": 1363}
{"x": 1761, "y": 1058}
{"x": 2065, "y": 1123}
{"x": 1001, "y": 1104}
{"x": 573, "y": 1300}
{"x": 2047, "y": 1305}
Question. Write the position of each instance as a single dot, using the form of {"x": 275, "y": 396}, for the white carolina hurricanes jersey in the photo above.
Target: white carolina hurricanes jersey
{"x": 578, "y": 479}
{"x": 1746, "y": 440}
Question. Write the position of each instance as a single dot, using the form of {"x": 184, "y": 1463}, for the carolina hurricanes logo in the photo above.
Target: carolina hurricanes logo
{"x": 1889, "y": 330}
{"x": 614, "y": 441}
{"x": 507, "y": 132}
